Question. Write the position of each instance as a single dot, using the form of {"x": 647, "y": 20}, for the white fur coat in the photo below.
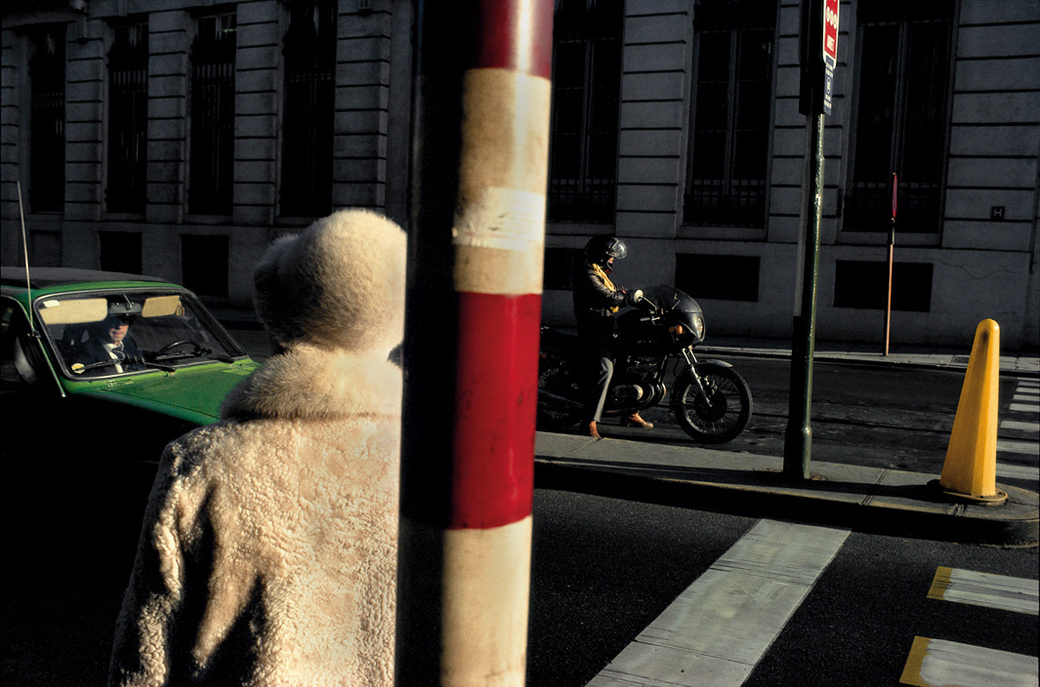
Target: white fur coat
{"x": 247, "y": 573}
{"x": 269, "y": 548}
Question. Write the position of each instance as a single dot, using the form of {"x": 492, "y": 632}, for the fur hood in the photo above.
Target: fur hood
{"x": 310, "y": 383}
{"x": 339, "y": 284}
{"x": 333, "y": 298}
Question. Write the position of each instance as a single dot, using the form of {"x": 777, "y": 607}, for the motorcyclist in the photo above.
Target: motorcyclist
{"x": 596, "y": 302}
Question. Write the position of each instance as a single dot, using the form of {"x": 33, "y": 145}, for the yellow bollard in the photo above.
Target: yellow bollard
{"x": 970, "y": 468}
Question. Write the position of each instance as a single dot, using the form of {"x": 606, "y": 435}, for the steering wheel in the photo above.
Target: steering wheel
{"x": 174, "y": 344}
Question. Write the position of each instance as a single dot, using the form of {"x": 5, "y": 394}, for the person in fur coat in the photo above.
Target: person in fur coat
{"x": 269, "y": 545}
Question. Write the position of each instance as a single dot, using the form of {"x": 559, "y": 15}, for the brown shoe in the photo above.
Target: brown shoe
{"x": 592, "y": 431}
{"x": 634, "y": 420}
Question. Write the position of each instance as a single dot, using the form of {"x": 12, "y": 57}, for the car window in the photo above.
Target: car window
{"x": 124, "y": 332}
{"x": 21, "y": 367}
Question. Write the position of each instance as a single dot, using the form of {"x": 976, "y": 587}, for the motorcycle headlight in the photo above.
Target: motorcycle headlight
{"x": 698, "y": 327}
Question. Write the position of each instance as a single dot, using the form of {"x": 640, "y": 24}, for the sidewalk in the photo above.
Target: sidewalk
{"x": 877, "y": 500}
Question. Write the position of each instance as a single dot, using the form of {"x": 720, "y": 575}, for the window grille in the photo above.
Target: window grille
{"x": 901, "y": 116}
{"x": 211, "y": 171}
{"x": 307, "y": 125}
{"x": 729, "y": 154}
{"x": 128, "y": 118}
{"x": 586, "y": 90}
{"x": 47, "y": 122}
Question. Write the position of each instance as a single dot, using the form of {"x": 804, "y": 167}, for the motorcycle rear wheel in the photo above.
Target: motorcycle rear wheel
{"x": 721, "y": 415}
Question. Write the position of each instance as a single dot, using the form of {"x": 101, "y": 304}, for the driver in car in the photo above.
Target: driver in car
{"x": 109, "y": 341}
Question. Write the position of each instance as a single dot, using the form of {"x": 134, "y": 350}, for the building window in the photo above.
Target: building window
{"x": 127, "y": 118}
{"x": 901, "y": 115}
{"x": 586, "y": 90}
{"x": 718, "y": 277}
{"x": 204, "y": 264}
{"x": 47, "y": 121}
{"x": 864, "y": 284}
{"x": 558, "y": 270}
{"x": 729, "y": 143}
{"x": 310, "y": 61}
{"x": 120, "y": 251}
{"x": 212, "y": 116}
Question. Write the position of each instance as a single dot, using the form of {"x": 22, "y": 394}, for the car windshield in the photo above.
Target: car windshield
{"x": 102, "y": 334}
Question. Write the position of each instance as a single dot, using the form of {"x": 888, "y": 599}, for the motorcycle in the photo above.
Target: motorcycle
{"x": 710, "y": 401}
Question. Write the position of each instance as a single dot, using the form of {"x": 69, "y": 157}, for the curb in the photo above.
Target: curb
{"x": 863, "y": 499}
{"x": 964, "y": 525}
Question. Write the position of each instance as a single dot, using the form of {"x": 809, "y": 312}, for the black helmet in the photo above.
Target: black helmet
{"x": 599, "y": 248}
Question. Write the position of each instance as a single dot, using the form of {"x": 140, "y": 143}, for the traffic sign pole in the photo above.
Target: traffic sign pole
{"x": 891, "y": 261}
{"x": 819, "y": 55}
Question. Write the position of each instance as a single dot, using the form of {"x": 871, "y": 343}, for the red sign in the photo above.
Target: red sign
{"x": 830, "y": 50}
{"x": 830, "y": 32}
{"x": 895, "y": 193}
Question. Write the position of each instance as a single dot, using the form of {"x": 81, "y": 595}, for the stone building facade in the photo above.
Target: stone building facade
{"x": 676, "y": 126}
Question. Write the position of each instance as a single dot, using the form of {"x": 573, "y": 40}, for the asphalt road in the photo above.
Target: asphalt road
{"x": 604, "y": 569}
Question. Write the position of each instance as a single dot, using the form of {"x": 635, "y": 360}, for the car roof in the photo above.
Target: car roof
{"x": 45, "y": 277}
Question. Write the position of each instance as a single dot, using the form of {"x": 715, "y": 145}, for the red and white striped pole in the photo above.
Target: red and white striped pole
{"x": 471, "y": 347}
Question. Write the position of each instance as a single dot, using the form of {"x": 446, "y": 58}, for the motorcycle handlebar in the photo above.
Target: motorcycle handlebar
{"x": 647, "y": 304}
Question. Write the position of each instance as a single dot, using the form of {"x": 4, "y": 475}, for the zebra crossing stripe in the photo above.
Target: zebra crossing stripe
{"x": 1025, "y": 400}
{"x": 1020, "y": 426}
{"x": 986, "y": 589}
{"x": 1032, "y": 408}
{"x": 937, "y": 662}
{"x": 1018, "y": 472}
{"x": 719, "y": 628}
{"x": 1029, "y": 448}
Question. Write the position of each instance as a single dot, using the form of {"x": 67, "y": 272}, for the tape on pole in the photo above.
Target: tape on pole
{"x": 499, "y": 239}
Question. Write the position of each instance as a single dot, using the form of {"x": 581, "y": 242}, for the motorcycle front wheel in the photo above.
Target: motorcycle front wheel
{"x": 719, "y": 414}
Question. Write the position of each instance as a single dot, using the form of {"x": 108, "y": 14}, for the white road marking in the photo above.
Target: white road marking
{"x": 1018, "y": 472}
{"x": 1029, "y": 448}
{"x": 1020, "y": 426}
{"x": 937, "y": 662}
{"x": 719, "y": 628}
{"x": 1031, "y": 408}
{"x": 986, "y": 589}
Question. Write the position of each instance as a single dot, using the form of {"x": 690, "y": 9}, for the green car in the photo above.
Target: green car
{"x": 100, "y": 371}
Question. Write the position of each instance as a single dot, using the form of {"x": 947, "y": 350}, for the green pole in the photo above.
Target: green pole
{"x": 798, "y": 437}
